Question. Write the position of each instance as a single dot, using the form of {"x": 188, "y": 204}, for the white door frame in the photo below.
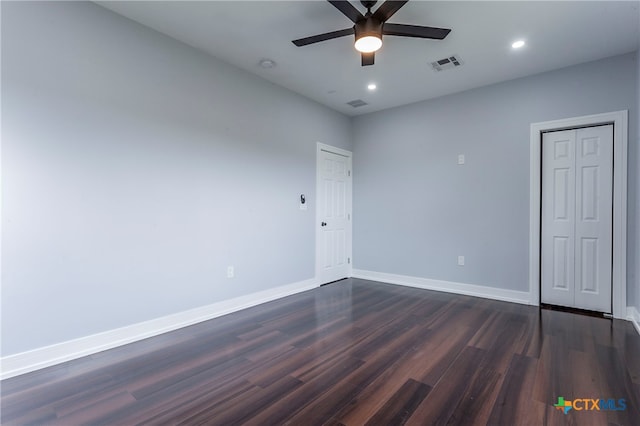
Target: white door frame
{"x": 339, "y": 151}
{"x": 619, "y": 119}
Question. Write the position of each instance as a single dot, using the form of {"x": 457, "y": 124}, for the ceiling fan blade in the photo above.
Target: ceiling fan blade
{"x": 415, "y": 31}
{"x": 387, "y": 9}
{"x": 347, "y": 10}
{"x": 322, "y": 37}
{"x": 368, "y": 58}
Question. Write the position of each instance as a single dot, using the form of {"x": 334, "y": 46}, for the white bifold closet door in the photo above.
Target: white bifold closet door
{"x": 577, "y": 218}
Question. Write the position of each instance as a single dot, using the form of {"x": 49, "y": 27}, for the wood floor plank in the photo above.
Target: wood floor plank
{"x": 17, "y": 404}
{"x": 89, "y": 413}
{"x": 351, "y": 353}
{"x": 435, "y": 358}
{"x": 513, "y": 405}
{"x": 474, "y": 407}
{"x": 628, "y": 355}
{"x": 534, "y": 338}
{"x": 208, "y": 399}
{"x": 553, "y": 378}
{"x": 441, "y": 402}
{"x": 587, "y": 383}
{"x": 376, "y": 381}
{"x": 245, "y": 406}
{"x": 378, "y": 363}
{"x": 617, "y": 384}
{"x": 292, "y": 403}
{"x": 169, "y": 407}
{"x": 401, "y": 405}
{"x": 323, "y": 408}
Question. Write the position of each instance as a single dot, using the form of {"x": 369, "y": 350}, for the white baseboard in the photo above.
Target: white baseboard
{"x": 514, "y": 296}
{"x": 634, "y": 316}
{"x": 25, "y": 362}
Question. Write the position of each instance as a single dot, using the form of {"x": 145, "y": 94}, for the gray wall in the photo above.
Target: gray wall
{"x": 415, "y": 210}
{"x": 637, "y": 172}
{"x": 135, "y": 169}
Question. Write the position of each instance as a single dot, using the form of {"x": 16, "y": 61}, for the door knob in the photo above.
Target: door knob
{"x": 323, "y": 224}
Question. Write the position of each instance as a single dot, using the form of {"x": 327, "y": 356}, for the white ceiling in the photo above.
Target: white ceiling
{"x": 558, "y": 34}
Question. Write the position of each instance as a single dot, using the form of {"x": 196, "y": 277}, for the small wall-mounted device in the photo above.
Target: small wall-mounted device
{"x": 303, "y": 202}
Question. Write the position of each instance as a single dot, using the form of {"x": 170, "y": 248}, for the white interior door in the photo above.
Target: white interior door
{"x": 577, "y": 221}
{"x": 334, "y": 215}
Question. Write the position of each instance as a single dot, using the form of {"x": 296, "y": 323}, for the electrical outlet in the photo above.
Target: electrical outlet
{"x": 461, "y": 159}
{"x": 230, "y": 271}
{"x": 460, "y": 260}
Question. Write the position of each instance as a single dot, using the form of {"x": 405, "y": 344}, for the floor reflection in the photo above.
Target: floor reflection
{"x": 333, "y": 303}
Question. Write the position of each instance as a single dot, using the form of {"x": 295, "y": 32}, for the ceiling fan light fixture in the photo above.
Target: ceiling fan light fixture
{"x": 368, "y": 35}
{"x": 368, "y": 44}
{"x": 369, "y": 28}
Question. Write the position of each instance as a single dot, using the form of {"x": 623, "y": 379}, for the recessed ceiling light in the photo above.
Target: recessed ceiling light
{"x": 267, "y": 63}
{"x": 517, "y": 44}
{"x": 372, "y": 86}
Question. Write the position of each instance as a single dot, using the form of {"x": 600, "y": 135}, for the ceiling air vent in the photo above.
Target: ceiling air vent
{"x": 447, "y": 63}
{"x": 357, "y": 103}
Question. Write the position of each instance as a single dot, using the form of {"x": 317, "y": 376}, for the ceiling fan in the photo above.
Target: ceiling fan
{"x": 370, "y": 27}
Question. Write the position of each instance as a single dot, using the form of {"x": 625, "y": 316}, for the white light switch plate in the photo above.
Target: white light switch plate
{"x": 461, "y": 159}
{"x": 460, "y": 260}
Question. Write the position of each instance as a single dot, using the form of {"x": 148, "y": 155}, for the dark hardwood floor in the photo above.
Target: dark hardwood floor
{"x": 353, "y": 353}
